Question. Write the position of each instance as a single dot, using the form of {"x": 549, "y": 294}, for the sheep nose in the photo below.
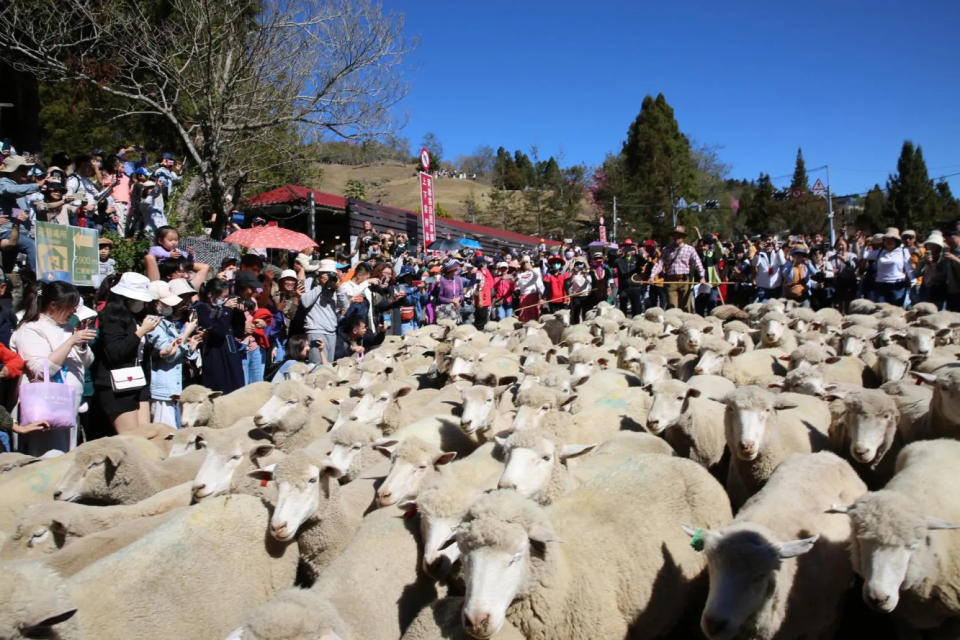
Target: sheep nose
{"x": 698, "y": 371}
{"x": 506, "y": 483}
{"x": 713, "y": 626}
{"x": 278, "y": 530}
{"x": 653, "y": 425}
{"x": 860, "y": 451}
{"x": 197, "y": 488}
{"x": 476, "y": 623}
{"x": 878, "y": 601}
{"x": 747, "y": 445}
{"x": 57, "y": 494}
{"x": 384, "y": 496}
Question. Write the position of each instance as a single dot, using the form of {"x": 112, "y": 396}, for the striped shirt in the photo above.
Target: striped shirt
{"x": 676, "y": 261}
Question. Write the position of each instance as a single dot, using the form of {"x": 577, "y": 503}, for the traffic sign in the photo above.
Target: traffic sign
{"x": 818, "y": 188}
{"x": 425, "y": 159}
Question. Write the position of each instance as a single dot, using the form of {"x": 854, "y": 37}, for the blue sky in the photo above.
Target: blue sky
{"x": 848, "y": 81}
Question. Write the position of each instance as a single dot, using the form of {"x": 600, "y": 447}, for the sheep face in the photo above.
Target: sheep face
{"x": 735, "y": 337}
{"x": 373, "y": 407}
{"x": 891, "y": 365}
{"x": 807, "y": 380}
{"x": 438, "y": 558}
{"x": 302, "y": 487}
{"x": 742, "y": 562}
{"x": 289, "y": 406}
{"x": 185, "y": 441}
{"x": 689, "y": 339}
{"x": 710, "y": 362}
{"x": 667, "y": 405}
{"x": 223, "y": 456}
{"x": 871, "y": 424}
{"x": 852, "y": 344}
{"x": 532, "y": 462}
{"x": 530, "y": 416}
{"x": 89, "y": 475}
{"x": 34, "y": 537}
{"x": 946, "y": 396}
{"x": 494, "y": 576}
{"x": 771, "y": 331}
{"x": 920, "y": 340}
{"x": 750, "y": 413}
{"x": 479, "y": 403}
{"x": 369, "y": 378}
{"x": 890, "y": 545}
{"x": 653, "y": 369}
{"x": 198, "y": 414}
{"x": 464, "y": 365}
{"x": 410, "y": 465}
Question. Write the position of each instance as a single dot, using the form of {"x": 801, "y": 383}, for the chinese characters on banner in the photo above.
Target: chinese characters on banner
{"x": 426, "y": 206}
{"x": 68, "y": 253}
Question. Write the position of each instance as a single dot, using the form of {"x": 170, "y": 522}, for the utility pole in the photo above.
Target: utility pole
{"x": 614, "y": 218}
{"x": 833, "y": 235}
{"x": 673, "y": 208}
{"x": 312, "y": 222}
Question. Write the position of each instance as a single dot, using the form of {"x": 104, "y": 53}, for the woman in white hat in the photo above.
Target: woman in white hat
{"x": 933, "y": 287}
{"x": 119, "y": 386}
{"x": 46, "y": 336}
{"x": 894, "y": 275}
{"x": 170, "y": 348}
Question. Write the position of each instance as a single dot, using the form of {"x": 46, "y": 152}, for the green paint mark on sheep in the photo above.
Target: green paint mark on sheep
{"x": 38, "y": 482}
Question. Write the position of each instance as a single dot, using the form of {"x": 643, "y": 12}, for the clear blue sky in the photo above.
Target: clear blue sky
{"x": 848, "y": 81}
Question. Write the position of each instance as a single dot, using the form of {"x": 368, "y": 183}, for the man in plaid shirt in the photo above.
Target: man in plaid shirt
{"x": 676, "y": 264}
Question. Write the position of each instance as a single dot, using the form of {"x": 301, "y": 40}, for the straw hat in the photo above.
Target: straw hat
{"x": 680, "y": 230}
{"x": 12, "y": 163}
{"x": 892, "y": 232}
{"x": 135, "y": 286}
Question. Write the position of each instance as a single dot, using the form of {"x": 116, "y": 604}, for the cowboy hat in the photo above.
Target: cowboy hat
{"x": 680, "y": 230}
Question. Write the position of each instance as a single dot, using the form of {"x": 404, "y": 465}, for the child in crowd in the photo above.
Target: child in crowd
{"x": 171, "y": 347}
{"x": 167, "y": 247}
{"x": 108, "y": 266}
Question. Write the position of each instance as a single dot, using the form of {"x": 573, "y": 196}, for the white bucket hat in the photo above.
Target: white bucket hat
{"x": 328, "y": 266}
{"x": 135, "y": 286}
{"x": 161, "y": 291}
{"x": 181, "y": 287}
{"x": 84, "y": 312}
{"x": 288, "y": 273}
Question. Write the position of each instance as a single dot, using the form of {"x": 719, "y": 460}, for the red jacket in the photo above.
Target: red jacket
{"x": 503, "y": 289}
{"x": 12, "y": 361}
{"x": 555, "y": 290}
{"x": 485, "y": 290}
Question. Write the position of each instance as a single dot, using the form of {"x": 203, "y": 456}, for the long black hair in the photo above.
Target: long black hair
{"x": 61, "y": 294}
{"x": 212, "y": 289}
{"x": 116, "y": 312}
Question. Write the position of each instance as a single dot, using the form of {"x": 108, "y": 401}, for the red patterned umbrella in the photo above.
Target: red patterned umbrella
{"x": 271, "y": 238}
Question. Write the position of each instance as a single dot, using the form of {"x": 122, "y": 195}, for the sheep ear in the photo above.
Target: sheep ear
{"x": 782, "y": 405}
{"x": 929, "y": 378}
{"x": 943, "y": 332}
{"x": 574, "y": 450}
{"x": 936, "y": 523}
{"x": 403, "y": 390}
{"x": 42, "y": 628}
{"x": 540, "y": 535}
{"x": 501, "y": 439}
{"x": 384, "y": 446}
{"x": 735, "y": 351}
{"x": 832, "y": 359}
{"x": 838, "y": 508}
{"x": 445, "y": 458}
{"x": 693, "y": 393}
{"x": 796, "y": 548}
{"x": 566, "y": 403}
{"x": 59, "y": 525}
{"x": 262, "y": 450}
{"x": 262, "y": 474}
{"x": 115, "y": 457}
{"x": 776, "y": 385}
{"x": 506, "y": 381}
{"x": 214, "y": 394}
{"x": 169, "y": 436}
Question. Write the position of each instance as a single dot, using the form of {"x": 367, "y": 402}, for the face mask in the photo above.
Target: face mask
{"x": 555, "y": 267}
{"x": 166, "y": 311}
{"x": 136, "y": 306}
{"x": 220, "y": 302}
{"x": 597, "y": 263}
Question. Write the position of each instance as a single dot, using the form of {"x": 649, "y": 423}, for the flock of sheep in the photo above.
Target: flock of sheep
{"x": 767, "y": 473}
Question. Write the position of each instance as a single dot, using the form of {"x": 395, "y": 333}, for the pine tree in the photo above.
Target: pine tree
{"x": 949, "y": 207}
{"x": 800, "y": 183}
{"x": 911, "y": 198}
{"x": 873, "y": 217}
{"x": 658, "y": 164}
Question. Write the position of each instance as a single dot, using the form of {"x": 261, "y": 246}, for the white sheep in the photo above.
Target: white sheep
{"x": 781, "y": 568}
{"x": 775, "y": 332}
{"x": 668, "y": 398}
{"x": 908, "y": 569}
{"x": 49, "y": 526}
{"x": 35, "y": 603}
{"x": 739, "y": 334}
{"x": 743, "y": 368}
{"x": 313, "y": 508}
{"x": 353, "y": 449}
{"x": 868, "y": 435}
{"x": 203, "y": 407}
{"x": 485, "y": 409}
{"x": 290, "y": 416}
{"x": 112, "y": 471}
{"x": 943, "y": 418}
{"x": 893, "y": 362}
{"x": 441, "y": 619}
{"x": 225, "y": 452}
{"x": 608, "y": 575}
{"x": 762, "y": 429}
{"x": 537, "y": 459}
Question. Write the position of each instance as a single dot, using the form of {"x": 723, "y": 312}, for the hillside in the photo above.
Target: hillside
{"x": 395, "y": 184}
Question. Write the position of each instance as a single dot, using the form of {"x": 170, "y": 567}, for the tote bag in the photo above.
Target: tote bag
{"x": 51, "y": 402}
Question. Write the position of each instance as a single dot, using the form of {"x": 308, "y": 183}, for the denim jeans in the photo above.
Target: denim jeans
{"x": 767, "y": 294}
{"x": 253, "y": 366}
{"x": 890, "y": 292}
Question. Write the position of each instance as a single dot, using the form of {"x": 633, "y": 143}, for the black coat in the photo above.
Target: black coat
{"x": 116, "y": 347}
{"x": 222, "y": 354}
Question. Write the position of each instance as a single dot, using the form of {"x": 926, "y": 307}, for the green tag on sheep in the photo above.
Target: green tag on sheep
{"x": 696, "y": 541}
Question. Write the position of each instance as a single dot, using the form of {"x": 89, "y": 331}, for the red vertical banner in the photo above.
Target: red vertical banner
{"x": 427, "y": 208}
{"x": 603, "y": 231}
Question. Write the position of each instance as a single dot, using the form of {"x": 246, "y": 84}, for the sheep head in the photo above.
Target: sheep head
{"x": 889, "y": 542}
{"x": 287, "y": 410}
{"x": 742, "y": 561}
{"x": 871, "y": 419}
{"x": 411, "y": 463}
{"x": 224, "y": 451}
{"x": 353, "y": 446}
{"x": 380, "y": 406}
{"x": 196, "y": 406}
{"x": 946, "y": 396}
{"x": 94, "y": 468}
{"x": 668, "y": 401}
{"x": 535, "y": 463}
{"x": 750, "y": 413}
{"x": 304, "y": 485}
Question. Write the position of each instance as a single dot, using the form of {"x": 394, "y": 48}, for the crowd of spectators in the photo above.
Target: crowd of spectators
{"x": 179, "y": 321}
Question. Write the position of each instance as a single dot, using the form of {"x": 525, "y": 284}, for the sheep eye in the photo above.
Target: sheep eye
{"x": 313, "y": 480}
{"x": 95, "y": 464}
{"x": 422, "y": 467}
{"x": 201, "y": 444}
{"x": 236, "y": 456}
{"x": 39, "y": 534}
{"x": 514, "y": 559}
{"x": 546, "y": 458}
{"x": 355, "y": 446}
{"x": 679, "y": 397}
{"x": 291, "y": 402}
